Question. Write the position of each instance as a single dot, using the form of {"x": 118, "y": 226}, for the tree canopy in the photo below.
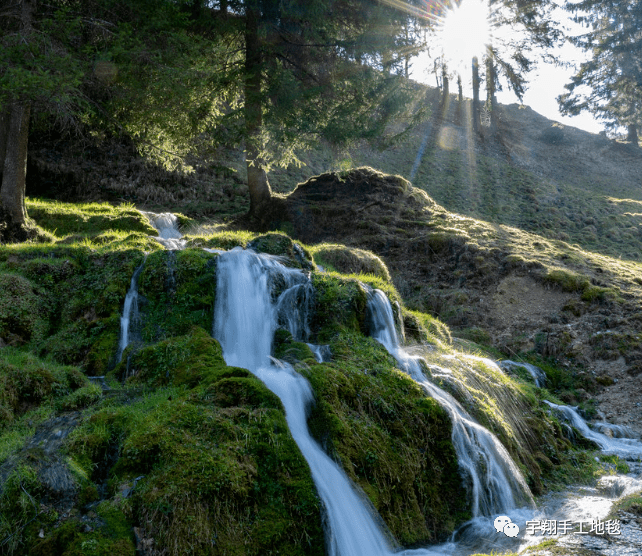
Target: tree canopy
{"x": 609, "y": 83}
{"x": 184, "y": 77}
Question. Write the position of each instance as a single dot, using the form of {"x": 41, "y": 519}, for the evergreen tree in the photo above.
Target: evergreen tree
{"x": 331, "y": 69}
{"x": 613, "y": 74}
{"x": 510, "y": 56}
{"x": 72, "y": 61}
{"x": 276, "y": 75}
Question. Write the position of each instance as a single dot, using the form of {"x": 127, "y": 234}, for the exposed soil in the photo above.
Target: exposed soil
{"x": 477, "y": 284}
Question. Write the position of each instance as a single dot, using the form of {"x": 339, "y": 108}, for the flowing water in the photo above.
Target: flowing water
{"x": 256, "y": 294}
{"x": 130, "y": 312}
{"x": 497, "y": 473}
{"x": 245, "y": 319}
{"x": 625, "y": 448}
{"x": 166, "y": 224}
{"x": 539, "y": 376}
{"x": 496, "y": 484}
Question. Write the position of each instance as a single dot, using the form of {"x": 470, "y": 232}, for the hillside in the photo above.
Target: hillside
{"x": 524, "y": 249}
{"x": 532, "y": 240}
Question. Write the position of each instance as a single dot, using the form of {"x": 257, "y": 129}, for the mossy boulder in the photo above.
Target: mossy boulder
{"x": 217, "y": 477}
{"x": 178, "y": 291}
{"x": 350, "y": 260}
{"x": 181, "y": 360}
{"x": 281, "y": 245}
{"x": 392, "y": 440}
{"x": 27, "y": 381}
{"x": 24, "y": 314}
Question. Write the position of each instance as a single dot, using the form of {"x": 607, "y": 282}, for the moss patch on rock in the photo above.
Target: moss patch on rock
{"x": 350, "y": 260}
{"x": 392, "y": 440}
{"x": 178, "y": 291}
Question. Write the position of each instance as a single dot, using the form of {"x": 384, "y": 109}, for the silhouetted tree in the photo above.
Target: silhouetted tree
{"x": 613, "y": 74}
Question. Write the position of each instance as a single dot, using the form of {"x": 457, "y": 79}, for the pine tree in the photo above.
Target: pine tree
{"x": 59, "y": 59}
{"x": 613, "y": 74}
{"x": 331, "y": 69}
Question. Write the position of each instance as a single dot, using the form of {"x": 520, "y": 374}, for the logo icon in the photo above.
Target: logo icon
{"x": 503, "y": 524}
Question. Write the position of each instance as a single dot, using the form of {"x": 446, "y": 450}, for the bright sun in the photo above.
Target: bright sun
{"x": 464, "y": 33}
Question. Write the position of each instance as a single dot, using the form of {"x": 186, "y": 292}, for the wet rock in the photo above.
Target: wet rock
{"x": 42, "y": 452}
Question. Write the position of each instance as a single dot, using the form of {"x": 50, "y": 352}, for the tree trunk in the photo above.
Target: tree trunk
{"x": 445, "y": 98}
{"x": 632, "y": 134}
{"x": 5, "y": 113}
{"x": 476, "y": 113}
{"x": 12, "y": 194}
{"x": 257, "y": 181}
{"x": 460, "y": 100}
{"x": 491, "y": 79}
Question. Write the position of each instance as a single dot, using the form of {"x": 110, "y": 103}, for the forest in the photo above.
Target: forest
{"x": 286, "y": 277}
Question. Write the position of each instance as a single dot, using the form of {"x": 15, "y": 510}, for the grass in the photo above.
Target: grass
{"x": 220, "y": 469}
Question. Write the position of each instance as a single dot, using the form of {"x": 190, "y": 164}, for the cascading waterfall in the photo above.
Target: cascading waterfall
{"x": 168, "y": 235}
{"x": 167, "y": 225}
{"x": 496, "y": 484}
{"x": 539, "y": 376}
{"x": 245, "y": 318}
{"x": 625, "y": 448}
{"x": 130, "y": 311}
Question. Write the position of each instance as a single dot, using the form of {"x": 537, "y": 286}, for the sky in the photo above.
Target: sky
{"x": 546, "y": 81}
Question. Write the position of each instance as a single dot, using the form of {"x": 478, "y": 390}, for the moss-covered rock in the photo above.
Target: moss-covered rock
{"x": 392, "y": 440}
{"x": 350, "y": 260}
{"x": 178, "y": 291}
{"x": 183, "y": 360}
{"x": 281, "y": 245}
{"x": 27, "y": 381}
{"x": 89, "y": 219}
{"x": 340, "y": 304}
{"x": 218, "y": 478}
{"x": 23, "y": 313}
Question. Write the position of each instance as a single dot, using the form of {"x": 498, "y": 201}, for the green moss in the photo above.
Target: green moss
{"x": 83, "y": 397}
{"x": 631, "y": 504}
{"x": 235, "y": 391}
{"x": 287, "y": 350}
{"x": 391, "y": 439}
{"x": 281, "y": 245}
{"x": 18, "y": 506}
{"x": 187, "y": 359}
{"x": 567, "y": 280}
{"x": 23, "y": 315}
{"x": 178, "y": 292}
{"x": 27, "y": 381}
{"x": 340, "y": 303}
{"x": 425, "y": 328}
{"x": 92, "y": 218}
{"x": 227, "y": 239}
{"x": 217, "y": 479}
{"x": 350, "y": 260}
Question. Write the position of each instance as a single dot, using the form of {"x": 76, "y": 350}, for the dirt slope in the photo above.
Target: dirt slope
{"x": 518, "y": 292}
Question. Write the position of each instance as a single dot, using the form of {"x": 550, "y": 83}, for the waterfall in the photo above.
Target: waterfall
{"x": 245, "y": 318}
{"x": 539, "y": 376}
{"x": 130, "y": 311}
{"x": 626, "y": 448}
{"x": 166, "y": 224}
{"x": 496, "y": 483}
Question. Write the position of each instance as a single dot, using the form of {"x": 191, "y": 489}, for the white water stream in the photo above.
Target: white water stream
{"x": 245, "y": 319}
{"x": 255, "y": 294}
{"x": 130, "y": 309}
{"x": 167, "y": 225}
{"x": 497, "y": 486}
{"x": 625, "y": 448}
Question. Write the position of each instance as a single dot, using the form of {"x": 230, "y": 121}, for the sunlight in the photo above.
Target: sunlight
{"x": 464, "y": 33}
